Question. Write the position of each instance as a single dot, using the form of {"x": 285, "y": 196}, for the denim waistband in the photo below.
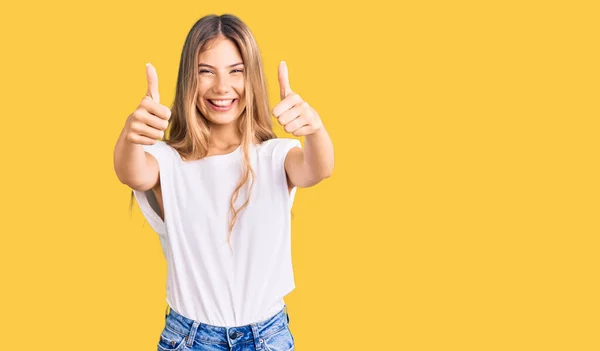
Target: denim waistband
{"x": 206, "y": 333}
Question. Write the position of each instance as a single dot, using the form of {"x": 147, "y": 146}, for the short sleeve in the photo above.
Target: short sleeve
{"x": 281, "y": 148}
{"x": 146, "y": 199}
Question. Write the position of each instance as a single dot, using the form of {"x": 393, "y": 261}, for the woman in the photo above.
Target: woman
{"x": 219, "y": 190}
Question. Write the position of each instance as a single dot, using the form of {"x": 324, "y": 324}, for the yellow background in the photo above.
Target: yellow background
{"x": 463, "y": 209}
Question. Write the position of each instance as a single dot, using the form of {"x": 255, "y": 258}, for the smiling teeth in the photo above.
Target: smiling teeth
{"x": 221, "y": 102}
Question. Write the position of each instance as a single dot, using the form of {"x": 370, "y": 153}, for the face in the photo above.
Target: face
{"x": 221, "y": 82}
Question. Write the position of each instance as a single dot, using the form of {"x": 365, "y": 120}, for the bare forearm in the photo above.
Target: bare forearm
{"x": 318, "y": 154}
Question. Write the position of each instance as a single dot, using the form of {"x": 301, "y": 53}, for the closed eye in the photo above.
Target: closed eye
{"x": 206, "y": 71}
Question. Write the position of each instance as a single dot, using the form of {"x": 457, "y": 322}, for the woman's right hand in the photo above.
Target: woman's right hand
{"x": 149, "y": 121}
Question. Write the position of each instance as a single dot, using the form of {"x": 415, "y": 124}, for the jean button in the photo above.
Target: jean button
{"x": 233, "y": 335}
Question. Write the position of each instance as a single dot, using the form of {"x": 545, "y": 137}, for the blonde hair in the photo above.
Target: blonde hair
{"x": 189, "y": 130}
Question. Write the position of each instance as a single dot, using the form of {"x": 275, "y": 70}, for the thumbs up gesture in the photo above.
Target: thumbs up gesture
{"x": 149, "y": 121}
{"x": 293, "y": 113}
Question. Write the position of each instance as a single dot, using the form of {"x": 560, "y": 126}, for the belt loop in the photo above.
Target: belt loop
{"x": 287, "y": 315}
{"x": 192, "y": 335}
{"x": 258, "y": 341}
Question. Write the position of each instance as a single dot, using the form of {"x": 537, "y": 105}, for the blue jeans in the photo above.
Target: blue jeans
{"x": 181, "y": 333}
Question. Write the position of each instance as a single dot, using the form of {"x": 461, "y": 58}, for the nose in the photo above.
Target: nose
{"x": 221, "y": 85}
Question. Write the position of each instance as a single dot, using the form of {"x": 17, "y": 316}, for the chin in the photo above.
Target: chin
{"x": 223, "y": 120}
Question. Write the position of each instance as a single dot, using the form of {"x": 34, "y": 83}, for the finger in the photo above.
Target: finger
{"x": 284, "y": 81}
{"x": 152, "y": 79}
{"x": 306, "y": 130}
{"x": 156, "y": 109}
{"x": 140, "y": 139}
{"x": 290, "y": 101}
{"x": 143, "y": 129}
{"x": 152, "y": 120}
{"x": 290, "y": 115}
{"x": 295, "y": 124}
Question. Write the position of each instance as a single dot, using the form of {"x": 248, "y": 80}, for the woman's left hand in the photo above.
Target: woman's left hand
{"x": 293, "y": 113}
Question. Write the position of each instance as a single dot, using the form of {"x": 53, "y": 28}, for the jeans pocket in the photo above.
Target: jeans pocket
{"x": 280, "y": 341}
{"x": 171, "y": 340}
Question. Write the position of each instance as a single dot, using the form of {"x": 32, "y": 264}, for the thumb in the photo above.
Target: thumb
{"x": 284, "y": 81}
{"x": 152, "y": 78}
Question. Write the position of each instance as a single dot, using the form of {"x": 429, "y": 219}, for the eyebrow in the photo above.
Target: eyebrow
{"x": 230, "y": 66}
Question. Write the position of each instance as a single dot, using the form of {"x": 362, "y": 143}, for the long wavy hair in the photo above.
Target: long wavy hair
{"x": 189, "y": 130}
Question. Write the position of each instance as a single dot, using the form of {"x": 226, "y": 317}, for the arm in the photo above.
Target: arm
{"x": 307, "y": 167}
{"x": 304, "y": 168}
{"x": 133, "y": 166}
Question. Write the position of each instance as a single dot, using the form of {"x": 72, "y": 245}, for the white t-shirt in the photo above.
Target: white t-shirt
{"x": 206, "y": 280}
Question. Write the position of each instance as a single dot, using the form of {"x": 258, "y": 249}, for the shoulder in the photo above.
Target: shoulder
{"x": 278, "y": 146}
{"x": 161, "y": 151}
{"x": 159, "y": 146}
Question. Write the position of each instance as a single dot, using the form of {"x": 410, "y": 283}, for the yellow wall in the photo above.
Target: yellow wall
{"x": 463, "y": 209}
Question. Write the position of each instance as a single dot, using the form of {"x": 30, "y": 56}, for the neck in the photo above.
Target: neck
{"x": 223, "y": 137}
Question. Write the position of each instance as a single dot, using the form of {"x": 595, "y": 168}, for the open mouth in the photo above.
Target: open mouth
{"x": 221, "y": 105}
